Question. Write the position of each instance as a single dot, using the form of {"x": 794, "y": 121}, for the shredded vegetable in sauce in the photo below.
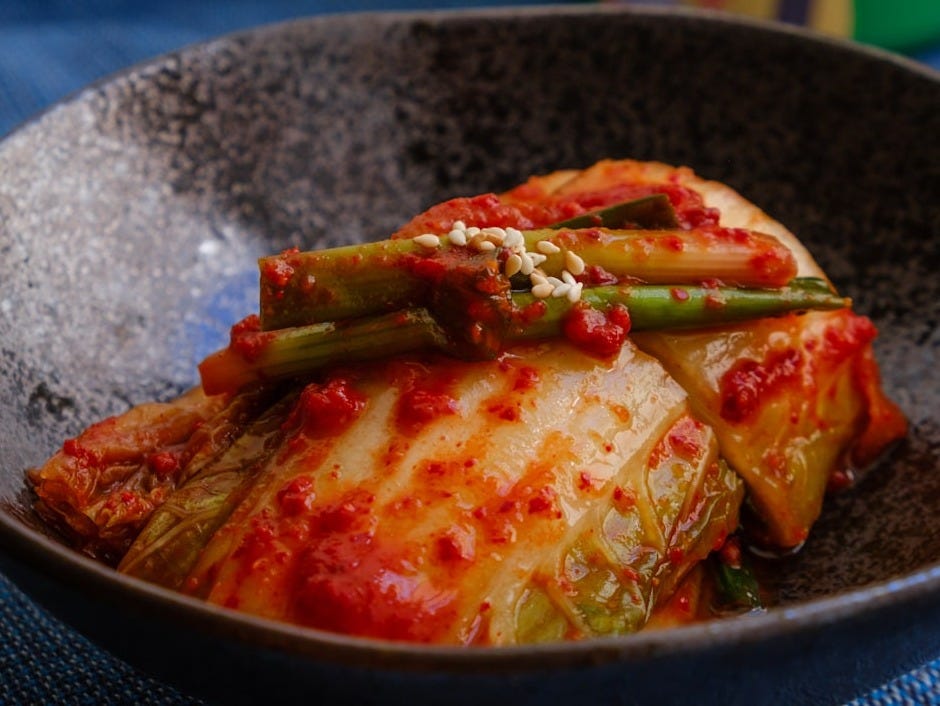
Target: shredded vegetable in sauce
{"x": 558, "y": 412}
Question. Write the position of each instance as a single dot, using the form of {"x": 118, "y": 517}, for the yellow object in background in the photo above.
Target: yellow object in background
{"x": 900, "y": 25}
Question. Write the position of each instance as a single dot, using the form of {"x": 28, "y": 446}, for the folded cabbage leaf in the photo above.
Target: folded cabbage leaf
{"x": 547, "y": 494}
{"x": 793, "y": 400}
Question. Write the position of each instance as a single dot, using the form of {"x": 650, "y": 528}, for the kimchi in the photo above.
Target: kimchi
{"x": 553, "y": 413}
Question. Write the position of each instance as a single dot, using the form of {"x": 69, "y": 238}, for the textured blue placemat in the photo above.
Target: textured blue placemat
{"x": 47, "y": 50}
{"x": 44, "y": 662}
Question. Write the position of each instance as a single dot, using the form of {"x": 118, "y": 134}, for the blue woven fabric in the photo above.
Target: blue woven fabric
{"x": 47, "y": 50}
{"x": 44, "y": 662}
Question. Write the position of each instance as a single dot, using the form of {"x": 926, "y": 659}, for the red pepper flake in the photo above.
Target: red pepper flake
{"x": 420, "y": 406}
{"x": 624, "y": 499}
{"x": 846, "y": 337}
{"x": 457, "y": 544}
{"x": 508, "y": 506}
{"x": 530, "y": 313}
{"x": 671, "y": 242}
{"x": 730, "y": 553}
{"x": 586, "y": 481}
{"x": 431, "y": 269}
{"x": 326, "y": 410}
{"x": 596, "y": 332}
{"x": 165, "y": 464}
{"x": 507, "y": 411}
{"x": 527, "y": 378}
{"x": 597, "y": 276}
{"x": 749, "y": 383}
{"x": 344, "y": 516}
{"x": 543, "y": 502}
{"x": 247, "y": 339}
{"x": 840, "y": 479}
{"x": 257, "y": 541}
{"x": 297, "y": 496}
{"x": 686, "y": 438}
{"x": 675, "y": 554}
{"x": 85, "y": 456}
{"x": 679, "y": 294}
{"x": 277, "y": 272}
{"x": 424, "y": 398}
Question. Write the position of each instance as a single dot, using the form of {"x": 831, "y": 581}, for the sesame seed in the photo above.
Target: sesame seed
{"x": 538, "y": 277}
{"x": 513, "y": 264}
{"x": 457, "y": 237}
{"x": 561, "y": 290}
{"x": 554, "y": 281}
{"x": 542, "y": 291}
{"x": 574, "y": 294}
{"x": 514, "y": 238}
{"x": 527, "y": 265}
{"x": 484, "y": 245}
{"x": 427, "y": 240}
{"x": 459, "y": 225}
{"x": 547, "y": 247}
{"x": 574, "y": 263}
{"x": 472, "y": 231}
{"x": 537, "y": 258}
{"x": 567, "y": 277}
{"x": 495, "y": 235}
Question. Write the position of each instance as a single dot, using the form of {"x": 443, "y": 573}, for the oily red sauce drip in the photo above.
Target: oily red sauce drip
{"x": 685, "y": 440}
{"x": 600, "y": 333}
{"x": 749, "y": 382}
{"x": 426, "y": 394}
{"x": 349, "y": 580}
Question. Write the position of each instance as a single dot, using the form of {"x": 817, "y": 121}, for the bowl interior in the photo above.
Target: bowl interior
{"x": 131, "y": 215}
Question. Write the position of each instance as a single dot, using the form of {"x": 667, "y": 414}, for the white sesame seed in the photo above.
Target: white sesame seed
{"x": 495, "y": 235}
{"x": 484, "y": 245}
{"x": 537, "y": 258}
{"x": 542, "y": 291}
{"x": 513, "y": 264}
{"x": 459, "y": 225}
{"x": 567, "y": 277}
{"x": 427, "y": 240}
{"x": 574, "y": 263}
{"x": 538, "y": 278}
{"x": 561, "y": 290}
{"x": 574, "y": 294}
{"x": 514, "y": 238}
{"x": 547, "y": 247}
{"x": 457, "y": 237}
{"x": 472, "y": 231}
{"x": 554, "y": 281}
{"x": 527, "y": 265}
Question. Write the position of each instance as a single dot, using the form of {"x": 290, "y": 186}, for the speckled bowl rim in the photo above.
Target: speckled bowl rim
{"x": 61, "y": 563}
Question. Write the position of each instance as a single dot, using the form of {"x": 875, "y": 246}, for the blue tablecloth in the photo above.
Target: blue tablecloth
{"x": 49, "y": 48}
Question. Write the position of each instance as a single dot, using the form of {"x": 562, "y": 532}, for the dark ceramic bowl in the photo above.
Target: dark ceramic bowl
{"x": 131, "y": 214}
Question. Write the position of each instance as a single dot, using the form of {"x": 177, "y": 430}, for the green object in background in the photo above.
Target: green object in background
{"x": 898, "y": 25}
{"x": 901, "y": 25}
